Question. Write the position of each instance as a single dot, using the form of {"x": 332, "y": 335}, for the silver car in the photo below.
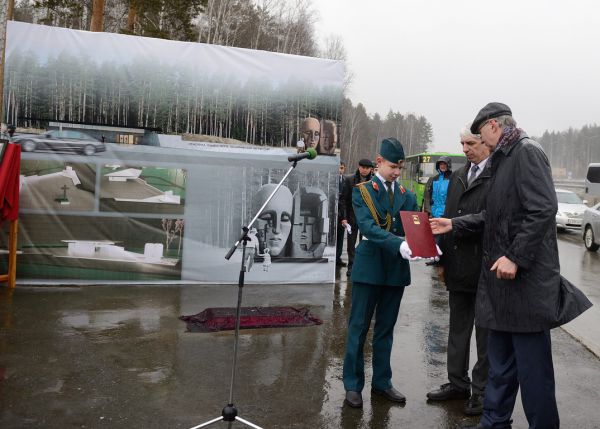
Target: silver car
{"x": 591, "y": 228}
{"x": 570, "y": 210}
{"x": 60, "y": 141}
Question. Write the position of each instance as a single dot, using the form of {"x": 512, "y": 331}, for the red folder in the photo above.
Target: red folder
{"x": 10, "y": 166}
{"x": 418, "y": 234}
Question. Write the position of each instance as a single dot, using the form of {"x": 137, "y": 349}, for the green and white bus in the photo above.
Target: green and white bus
{"x": 420, "y": 167}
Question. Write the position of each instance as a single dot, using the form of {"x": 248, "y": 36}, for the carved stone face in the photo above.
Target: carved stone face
{"x": 310, "y": 129}
{"x": 328, "y": 140}
{"x": 275, "y": 222}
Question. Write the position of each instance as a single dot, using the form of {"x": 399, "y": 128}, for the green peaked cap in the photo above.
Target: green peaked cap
{"x": 391, "y": 149}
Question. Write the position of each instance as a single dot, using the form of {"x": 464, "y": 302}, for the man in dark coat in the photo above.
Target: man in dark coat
{"x": 379, "y": 276}
{"x": 363, "y": 174}
{"x": 518, "y": 293}
{"x": 461, "y": 266}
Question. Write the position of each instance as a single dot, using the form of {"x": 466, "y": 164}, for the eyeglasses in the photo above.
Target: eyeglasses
{"x": 484, "y": 124}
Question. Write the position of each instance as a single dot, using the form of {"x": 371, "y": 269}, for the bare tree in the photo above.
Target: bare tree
{"x": 10, "y": 11}
{"x": 170, "y": 228}
{"x": 97, "y": 23}
{"x": 131, "y": 16}
{"x": 179, "y": 226}
{"x": 335, "y": 50}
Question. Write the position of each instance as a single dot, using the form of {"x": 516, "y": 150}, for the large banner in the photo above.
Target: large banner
{"x": 143, "y": 158}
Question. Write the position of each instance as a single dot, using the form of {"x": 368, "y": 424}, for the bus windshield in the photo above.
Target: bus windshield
{"x": 419, "y": 168}
{"x": 426, "y": 166}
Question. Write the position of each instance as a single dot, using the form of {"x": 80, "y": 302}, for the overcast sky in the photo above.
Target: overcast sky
{"x": 446, "y": 59}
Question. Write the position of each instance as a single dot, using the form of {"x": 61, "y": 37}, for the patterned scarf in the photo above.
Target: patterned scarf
{"x": 510, "y": 135}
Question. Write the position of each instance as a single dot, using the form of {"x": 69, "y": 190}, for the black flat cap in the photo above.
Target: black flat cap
{"x": 365, "y": 163}
{"x": 489, "y": 111}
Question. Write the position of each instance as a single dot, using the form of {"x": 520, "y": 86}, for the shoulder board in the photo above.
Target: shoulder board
{"x": 363, "y": 183}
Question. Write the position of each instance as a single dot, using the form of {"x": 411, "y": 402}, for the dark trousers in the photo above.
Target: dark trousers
{"x": 462, "y": 318}
{"x": 366, "y": 299}
{"x": 523, "y": 360}
{"x": 352, "y": 244}
{"x": 341, "y": 233}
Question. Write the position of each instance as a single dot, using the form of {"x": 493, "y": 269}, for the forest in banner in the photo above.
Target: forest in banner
{"x": 171, "y": 99}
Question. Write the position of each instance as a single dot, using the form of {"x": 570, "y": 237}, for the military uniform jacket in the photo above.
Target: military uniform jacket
{"x": 378, "y": 259}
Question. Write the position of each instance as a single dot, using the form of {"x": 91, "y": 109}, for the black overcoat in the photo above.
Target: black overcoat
{"x": 347, "y": 211}
{"x": 461, "y": 256}
{"x": 519, "y": 223}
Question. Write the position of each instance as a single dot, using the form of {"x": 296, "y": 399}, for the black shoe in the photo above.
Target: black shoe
{"x": 353, "y": 399}
{"x": 391, "y": 394}
{"x": 340, "y": 263}
{"x": 448, "y": 391}
{"x": 475, "y": 405}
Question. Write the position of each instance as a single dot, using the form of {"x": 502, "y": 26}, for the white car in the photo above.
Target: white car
{"x": 591, "y": 228}
{"x": 570, "y": 210}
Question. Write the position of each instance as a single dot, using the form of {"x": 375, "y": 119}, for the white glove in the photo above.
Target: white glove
{"x": 406, "y": 253}
{"x": 349, "y": 228}
{"x": 439, "y": 253}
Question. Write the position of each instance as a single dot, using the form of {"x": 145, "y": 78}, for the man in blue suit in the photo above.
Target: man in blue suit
{"x": 380, "y": 273}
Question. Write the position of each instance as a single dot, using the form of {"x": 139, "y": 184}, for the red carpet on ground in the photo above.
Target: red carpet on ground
{"x": 223, "y": 318}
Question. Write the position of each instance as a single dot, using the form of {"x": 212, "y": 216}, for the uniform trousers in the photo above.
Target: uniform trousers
{"x": 384, "y": 302}
{"x": 462, "y": 318}
{"x": 525, "y": 360}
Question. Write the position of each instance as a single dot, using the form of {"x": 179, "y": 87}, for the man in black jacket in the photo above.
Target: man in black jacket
{"x": 461, "y": 266}
{"x": 363, "y": 174}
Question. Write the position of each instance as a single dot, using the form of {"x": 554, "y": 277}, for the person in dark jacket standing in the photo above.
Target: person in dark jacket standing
{"x": 461, "y": 266}
{"x": 436, "y": 188}
{"x": 363, "y": 174}
{"x": 518, "y": 293}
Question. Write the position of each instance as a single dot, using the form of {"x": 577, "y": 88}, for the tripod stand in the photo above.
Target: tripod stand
{"x": 230, "y": 413}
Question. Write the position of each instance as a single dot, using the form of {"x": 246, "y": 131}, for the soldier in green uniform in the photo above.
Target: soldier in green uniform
{"x": 380, "y": 273}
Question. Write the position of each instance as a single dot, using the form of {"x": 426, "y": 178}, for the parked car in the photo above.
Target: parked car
{"x": 61, "y": 141}
{"x": 570, "y": 210}
{"x": 592, "y": 179}
{"x": 591, "y": 228}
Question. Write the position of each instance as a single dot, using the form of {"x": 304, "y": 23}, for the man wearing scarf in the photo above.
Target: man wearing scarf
{"x": 518, "y": 293}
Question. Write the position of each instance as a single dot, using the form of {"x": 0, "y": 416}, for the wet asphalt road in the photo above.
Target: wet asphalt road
{"x": 118, "y": 357}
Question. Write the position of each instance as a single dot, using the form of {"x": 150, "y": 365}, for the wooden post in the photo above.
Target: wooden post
{"x": 11, "y": 276}
{"x": 12, "y": 253}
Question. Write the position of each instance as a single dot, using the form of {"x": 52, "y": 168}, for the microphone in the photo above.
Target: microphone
{"x": 310, "y": 153}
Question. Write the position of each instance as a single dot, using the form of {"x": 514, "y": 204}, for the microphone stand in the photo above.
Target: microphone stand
{"x": 230, "y": 413}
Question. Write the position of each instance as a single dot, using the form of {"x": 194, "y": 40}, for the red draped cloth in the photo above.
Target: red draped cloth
{"x": 223, "y": 318}
{"x": 10, "y": 167}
